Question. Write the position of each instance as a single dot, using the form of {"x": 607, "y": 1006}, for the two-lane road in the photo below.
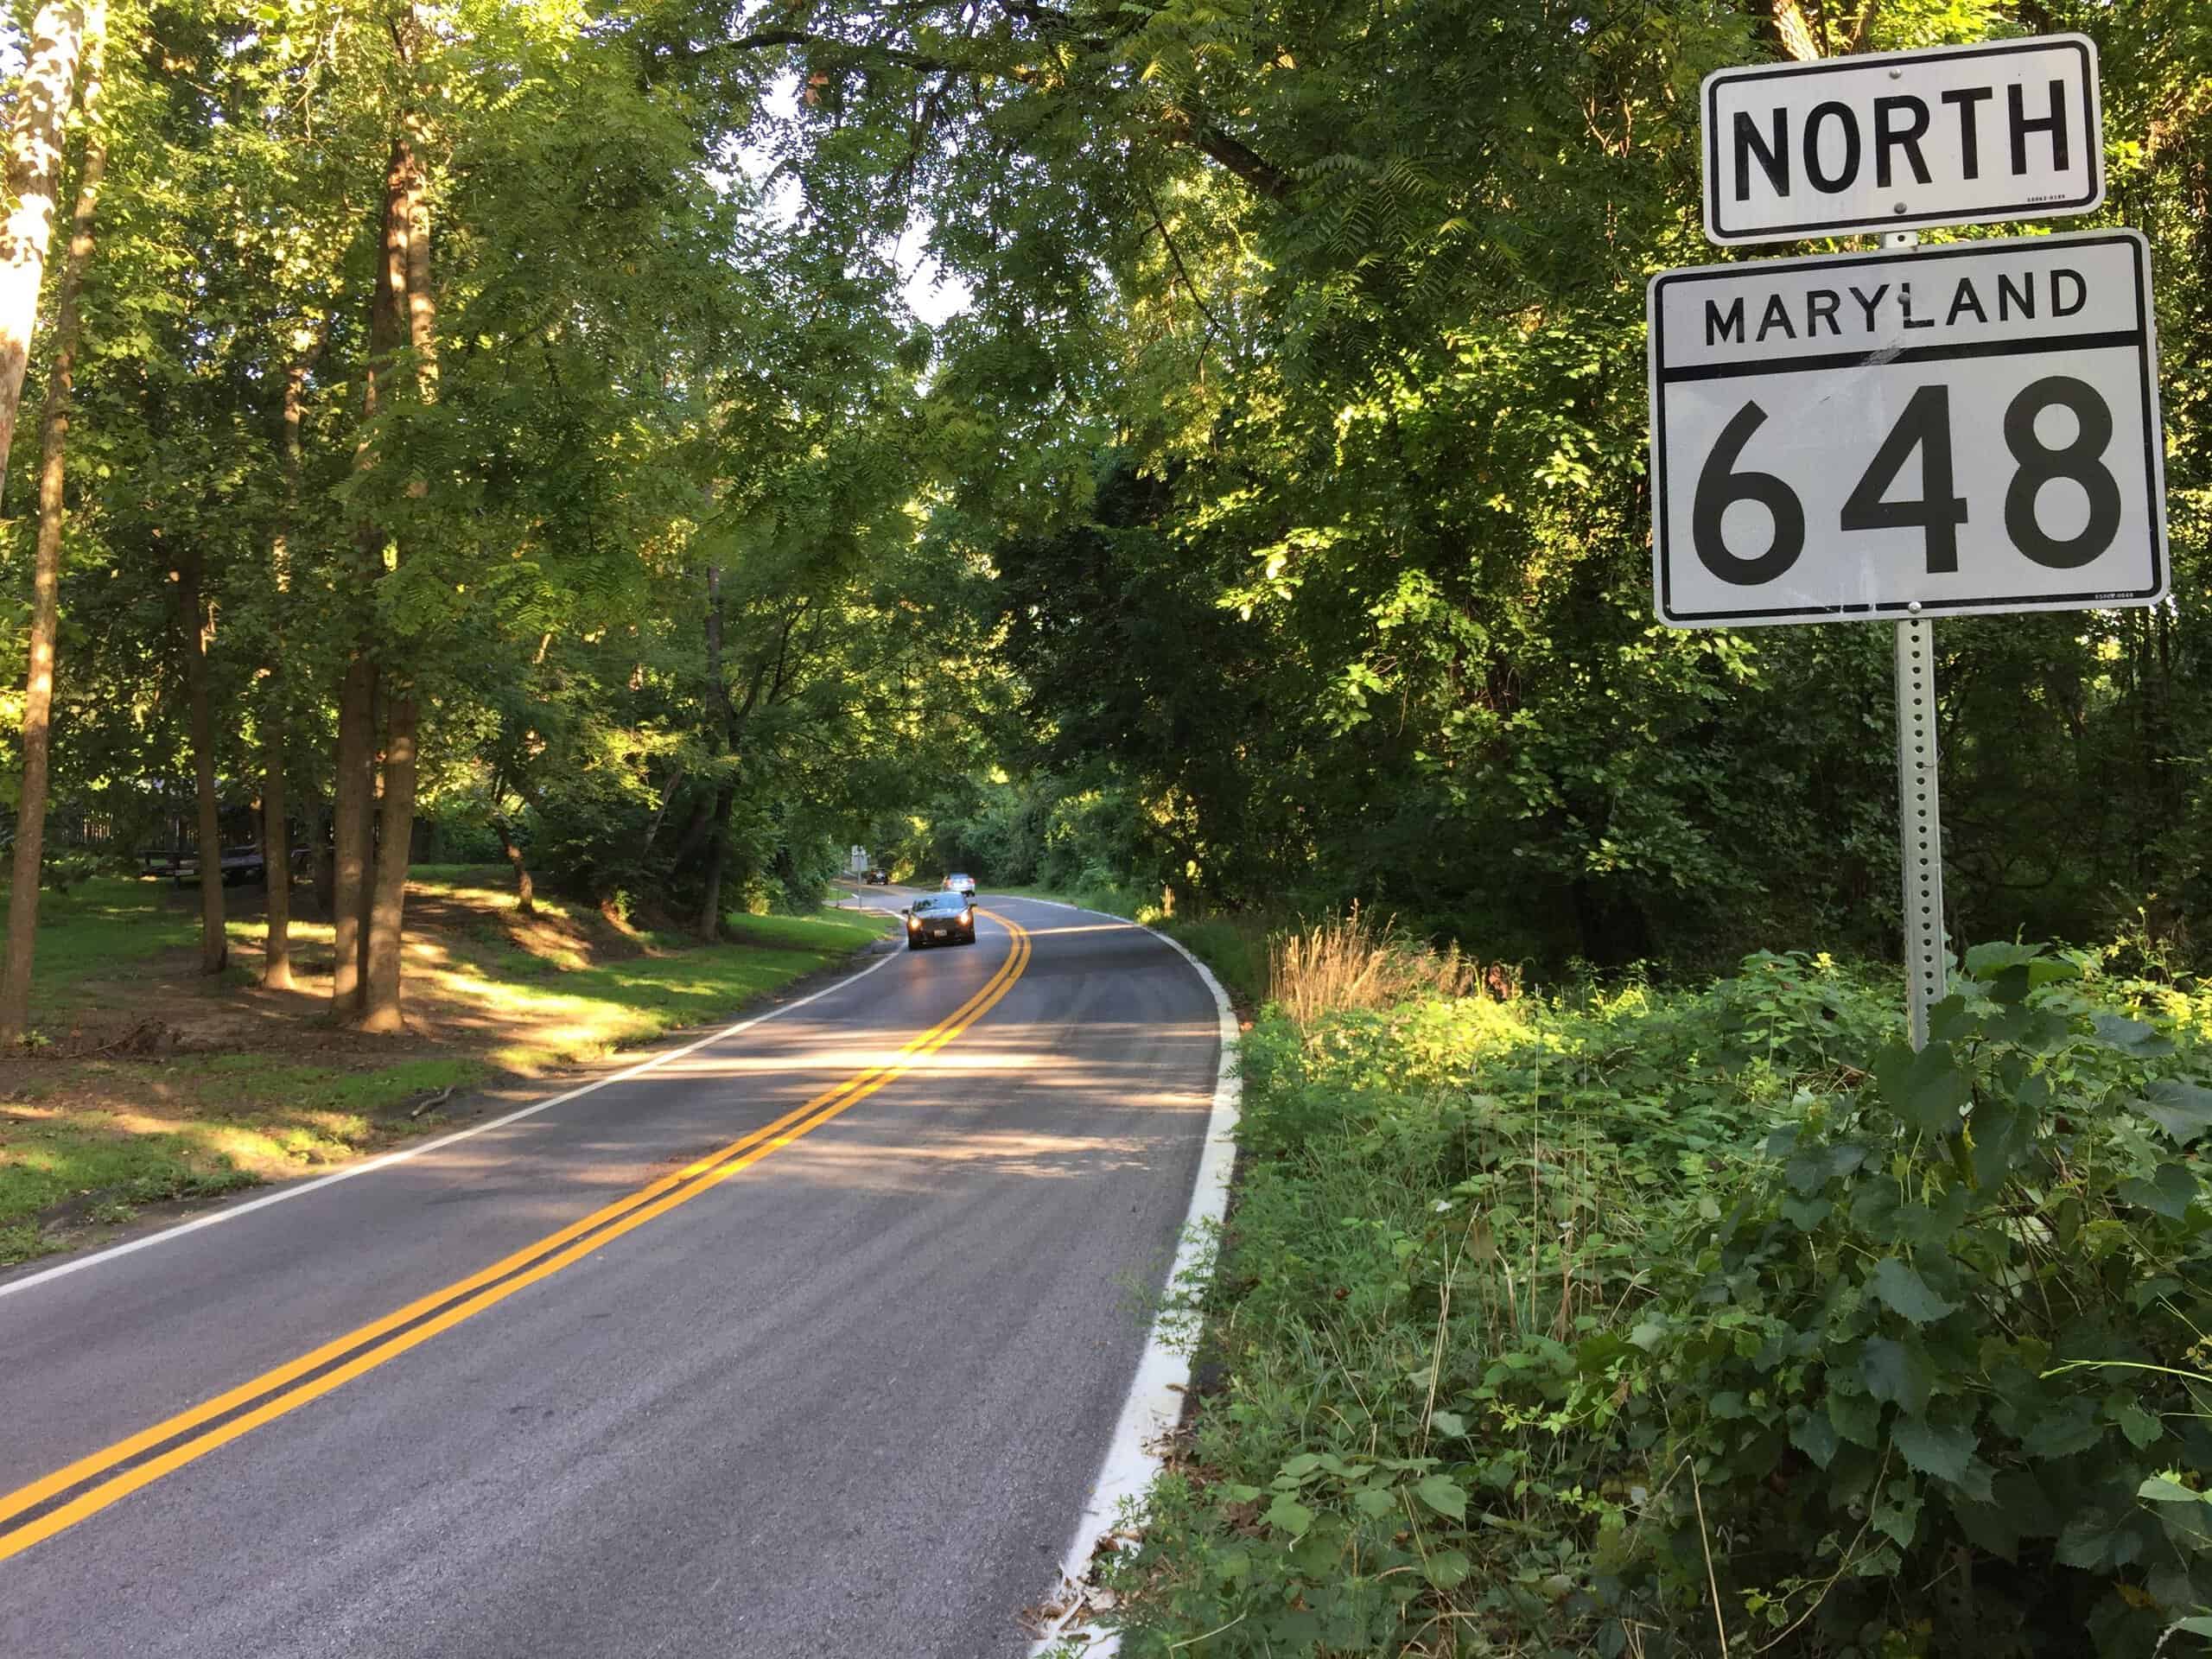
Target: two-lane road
{"x": 806, "y": 1342}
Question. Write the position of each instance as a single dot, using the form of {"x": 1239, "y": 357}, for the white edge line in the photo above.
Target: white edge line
{"x": 1154, "y": 1405}
{"x": 232, "y": 1212}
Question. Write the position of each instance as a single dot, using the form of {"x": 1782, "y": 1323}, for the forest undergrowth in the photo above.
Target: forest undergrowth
{"x": 1635, "y": 1321}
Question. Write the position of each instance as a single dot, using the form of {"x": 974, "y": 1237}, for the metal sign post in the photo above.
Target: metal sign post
{"x": 1920, "y": 807}
{"x": 1920, "y": 825}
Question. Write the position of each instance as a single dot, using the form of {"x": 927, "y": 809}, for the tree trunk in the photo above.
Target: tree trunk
{"x": 370, "y": 850}
{"x": 407, "y": 242}
{"x": 318, "y": 860}
{"x": 276, "y": 851}
{"x": 350, "y": 831}
{"x": 350, "y": 890}
{"x": 34, "y": 175}
{"x": 710, "y": 909}
{"x": 1794, "y": 30}
{"x": 396, "y": 822}
{"x": 214, "y": 946}
{"x": 45, "y": 585}
{"x": 525, "y": 895}
{"x": 276, "y": 864}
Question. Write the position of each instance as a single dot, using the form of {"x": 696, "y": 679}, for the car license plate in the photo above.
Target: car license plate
{"x": 940, "y": 932}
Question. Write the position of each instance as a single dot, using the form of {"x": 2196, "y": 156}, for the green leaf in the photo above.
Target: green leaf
{"x": 2170, "y": 1193}
{"x": 1815, "y": 1436}
{"x": 2198, "y": 1626}
{"x": 1948, "y": 1021}
{"x": 1237, "y": 1492}
{"x": 1449, "y": 1424}
{"x": 2139, "y": 1425}
{"x": 2003, "y": 1134}
{"x": 1988, "y": 1526}
{"x": 1984, "y": 961}
{"x": 1896, "y": 1372}
{"x": 1927, "y": 1090}
{"x": 1898, "y": 1514}
{"x": 1443, "y": 1495}
{"x": 1288, "y": 1514}
{"x": 1375, "y": 1502}
{"x": 1815, "y": 1166}
{"x": 2165, "y": 1489}
{"x": 2062, "y": 1433}
{"x": 1943, "y": 1452}
{"x": 1856, "y": 1419}
{"x": 1447, "y": 1569}
{"x": 1899, "y": 1284}
{"x": 2087, "y": 1540}
{"x": 1806, "y": 1214}
{"x": 1302, "y": 1465}
{"x": 2183, "y": 1111}
{"x": 2131, "y": 1036}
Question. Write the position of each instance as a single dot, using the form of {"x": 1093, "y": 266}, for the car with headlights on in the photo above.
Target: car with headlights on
{"x": 958, "y": 882}
{"x": 940, "y": 919}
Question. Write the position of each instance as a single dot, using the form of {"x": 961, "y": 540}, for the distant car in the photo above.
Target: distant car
{"x": 877, "y": 878}
{"x": 940, "y": 919}
{"x": 958, "y": 883}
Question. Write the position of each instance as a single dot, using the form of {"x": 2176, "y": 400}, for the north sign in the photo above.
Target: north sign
{"x": 1948, "y": 430}
{"x": 1890, "y": 141}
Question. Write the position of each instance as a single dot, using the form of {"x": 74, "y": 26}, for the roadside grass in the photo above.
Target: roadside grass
{"x": 1533, "y": 1314}
{"x": 92, "y": 927}
{"x": 151, "y": 1083}
{"x": 588, "y": 1012}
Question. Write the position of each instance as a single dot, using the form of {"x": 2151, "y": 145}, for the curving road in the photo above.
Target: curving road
{"x": 806, "y": 1342}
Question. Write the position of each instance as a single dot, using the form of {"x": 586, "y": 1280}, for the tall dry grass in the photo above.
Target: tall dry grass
{"x": 1353, "y": 961}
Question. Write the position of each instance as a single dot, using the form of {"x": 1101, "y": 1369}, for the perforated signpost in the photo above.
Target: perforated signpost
{"x": 1899, "y": 435}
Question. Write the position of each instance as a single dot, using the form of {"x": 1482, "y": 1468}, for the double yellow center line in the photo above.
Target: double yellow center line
{"x": 58, "y": 1501}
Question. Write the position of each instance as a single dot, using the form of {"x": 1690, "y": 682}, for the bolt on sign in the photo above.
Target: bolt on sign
{"x": 1894, "y": 140}
{"x": 1949, "y": 431}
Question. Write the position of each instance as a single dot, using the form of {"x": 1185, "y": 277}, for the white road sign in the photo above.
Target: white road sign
{"x": 1886, "y": 142}
{"x": 1954, "y": 430}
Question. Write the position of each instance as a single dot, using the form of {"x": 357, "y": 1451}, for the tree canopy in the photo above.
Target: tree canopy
{"x": 511, "y": 419}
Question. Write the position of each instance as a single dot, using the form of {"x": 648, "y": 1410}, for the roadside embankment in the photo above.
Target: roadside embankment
{"x": 147, "y": 1083}
{"x": 1657, "y": 1322}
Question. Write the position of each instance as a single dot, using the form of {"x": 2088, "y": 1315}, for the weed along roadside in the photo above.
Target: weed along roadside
{"x": 1699, "y": 1321}
{"x": 149, "y": 1085}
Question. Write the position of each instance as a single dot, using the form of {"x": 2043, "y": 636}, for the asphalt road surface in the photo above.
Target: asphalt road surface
{"x": 806, "y": 1344}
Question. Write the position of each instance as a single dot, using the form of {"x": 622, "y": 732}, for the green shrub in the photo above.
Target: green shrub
{"x": 1931, "y": 1361}
{"x": 1526, "y": 1308}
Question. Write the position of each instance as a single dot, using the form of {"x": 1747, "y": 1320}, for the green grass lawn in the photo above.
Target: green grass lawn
{"x": 95, "y": 927}
{"x": 588, "y": 1012}
{"x": 87, "y": 1137}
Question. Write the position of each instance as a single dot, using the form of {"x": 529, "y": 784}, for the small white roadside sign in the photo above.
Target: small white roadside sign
{"x": 1893, "y": 141}
{"x": 1957, "y": 429}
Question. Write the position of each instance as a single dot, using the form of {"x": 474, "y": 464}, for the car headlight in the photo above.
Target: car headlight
{"x": 913, "y": 921}
{"x": 968, "y": 918}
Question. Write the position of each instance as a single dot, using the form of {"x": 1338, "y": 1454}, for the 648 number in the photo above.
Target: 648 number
{"x": 1925, "y": 426}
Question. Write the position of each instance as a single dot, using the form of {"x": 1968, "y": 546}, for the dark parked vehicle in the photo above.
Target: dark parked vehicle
{"x": 876, "y": 879}
{"x": 240, "y": 857}
{"x": 940, "y": 919}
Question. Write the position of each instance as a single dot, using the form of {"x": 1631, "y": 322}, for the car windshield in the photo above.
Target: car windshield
{"x": 951, "y": 903}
